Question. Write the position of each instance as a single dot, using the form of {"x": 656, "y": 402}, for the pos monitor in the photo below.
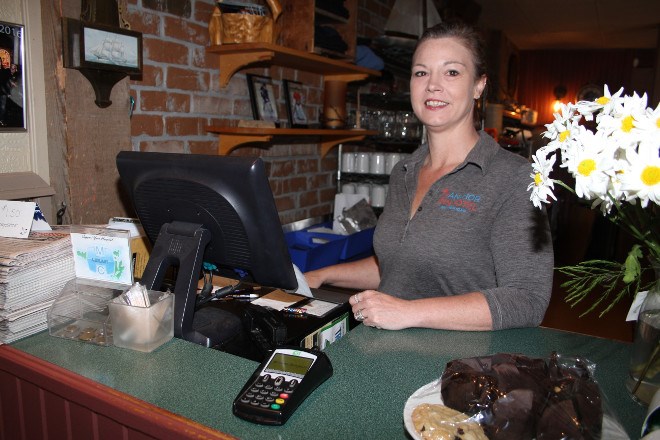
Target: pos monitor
{"x": 213, "y": 209}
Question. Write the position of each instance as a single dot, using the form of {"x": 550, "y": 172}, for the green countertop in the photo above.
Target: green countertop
{"x": 375, "y": 371}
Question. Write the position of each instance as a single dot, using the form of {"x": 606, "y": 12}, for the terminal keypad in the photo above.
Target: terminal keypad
{"x": 269, "y": 392}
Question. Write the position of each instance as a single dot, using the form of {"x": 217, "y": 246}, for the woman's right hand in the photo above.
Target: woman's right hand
{"x": 315, "y": 278}
{"x": 361, "y": 274}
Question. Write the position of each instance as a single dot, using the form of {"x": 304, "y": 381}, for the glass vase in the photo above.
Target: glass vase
{"x": 644, "y": 371}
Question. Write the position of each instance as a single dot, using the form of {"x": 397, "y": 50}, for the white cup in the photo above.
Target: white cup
{"x": 377, "y": 163}
{"x": 362, "y": 163}
{"x": 365, "y": 190}
{"x": 390, "y": 161}
{"x": 377, "y": 196}
{"x": 348, "y": 162}
{"x": 348, "y": 188}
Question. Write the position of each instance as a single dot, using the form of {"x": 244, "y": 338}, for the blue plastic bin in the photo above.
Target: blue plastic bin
{"x": 311, "y": 250}
{"x": 355, "y": 246}
{"x": 359, "y": 244}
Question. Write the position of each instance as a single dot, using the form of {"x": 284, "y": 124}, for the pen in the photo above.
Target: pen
{"x": 295, "y": 310}
{"x": 244, "y": 296}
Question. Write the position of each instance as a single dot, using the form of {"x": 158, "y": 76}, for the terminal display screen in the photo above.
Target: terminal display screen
{"x": 285, "y": 363}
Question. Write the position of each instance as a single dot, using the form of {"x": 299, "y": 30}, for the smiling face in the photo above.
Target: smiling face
{"x": 443, "y": 84}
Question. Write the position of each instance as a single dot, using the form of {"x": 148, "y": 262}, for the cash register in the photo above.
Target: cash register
{"x": 219, "y": 211}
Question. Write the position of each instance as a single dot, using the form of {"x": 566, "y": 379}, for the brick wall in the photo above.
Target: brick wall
{"x": 179, "y": 95}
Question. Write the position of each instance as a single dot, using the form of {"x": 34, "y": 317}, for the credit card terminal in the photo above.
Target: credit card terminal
{"x": 280, "y": 384}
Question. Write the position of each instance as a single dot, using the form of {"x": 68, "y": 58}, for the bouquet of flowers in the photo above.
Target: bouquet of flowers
{"x": 616, "y": 168}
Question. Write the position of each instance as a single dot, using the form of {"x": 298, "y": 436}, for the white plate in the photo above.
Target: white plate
{"x": 430, "y": 393}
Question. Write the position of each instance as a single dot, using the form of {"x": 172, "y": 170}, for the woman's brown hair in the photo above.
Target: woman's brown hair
{"x": 468, "y": 35}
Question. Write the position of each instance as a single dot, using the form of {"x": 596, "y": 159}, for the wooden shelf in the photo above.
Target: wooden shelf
{"x": 323, "y": 15}
{"x": 234, "y": 57}
{"x": 297, "y": 27}
{"x": 233, "y": 137}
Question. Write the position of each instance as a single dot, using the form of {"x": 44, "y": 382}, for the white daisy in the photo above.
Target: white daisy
{"x": 642, "y": 181}
{"x": 648, "y": 124}
{"x": 621, "y": 122}
{"x": 591, "y": 165}
{"x": 620, "y": 168}
{"x": 573, "y": 145}
{"x": 566, "y": 120}
{"x": 542, "y": 185}
{"x": 603, "y": 104}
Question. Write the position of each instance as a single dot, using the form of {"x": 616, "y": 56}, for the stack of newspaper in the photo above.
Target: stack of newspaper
{"x": 33, "y": 272}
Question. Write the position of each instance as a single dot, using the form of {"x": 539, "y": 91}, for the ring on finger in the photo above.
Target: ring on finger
{"x": 357, "y": 298}
{"x": 359, "y": 316}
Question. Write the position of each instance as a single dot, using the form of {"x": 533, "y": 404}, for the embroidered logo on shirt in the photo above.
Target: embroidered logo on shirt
{"x": 460, "y": 202}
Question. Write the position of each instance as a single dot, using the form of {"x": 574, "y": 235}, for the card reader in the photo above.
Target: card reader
{"x": 280, "y": 384}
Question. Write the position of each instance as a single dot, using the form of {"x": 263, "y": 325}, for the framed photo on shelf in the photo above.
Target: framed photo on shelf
{"x": 262, "y": 98}
{"x": 12, "y": 81}
{"x": 295, "y": 104}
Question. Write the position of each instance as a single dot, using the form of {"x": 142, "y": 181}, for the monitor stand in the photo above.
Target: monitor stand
{"x": 182, "y": 244}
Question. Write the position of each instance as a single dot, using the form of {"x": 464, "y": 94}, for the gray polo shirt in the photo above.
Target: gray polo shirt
{"x": 476, "y": 230}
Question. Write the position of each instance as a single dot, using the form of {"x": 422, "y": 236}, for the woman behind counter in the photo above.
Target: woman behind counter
{"x": 459, "y": 245}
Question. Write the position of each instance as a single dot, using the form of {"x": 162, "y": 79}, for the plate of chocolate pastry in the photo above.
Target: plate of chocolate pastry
{"x": 511, "y": 396}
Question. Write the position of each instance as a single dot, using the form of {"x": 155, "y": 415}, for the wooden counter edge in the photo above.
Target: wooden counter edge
{"x": 127, "y": 411}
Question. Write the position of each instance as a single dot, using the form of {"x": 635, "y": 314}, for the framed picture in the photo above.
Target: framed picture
{"x": 100, "y": 47}
{"x": 12, "y": 83}
{"x": 295, "y": 104}
{"x": 262, "y": 98}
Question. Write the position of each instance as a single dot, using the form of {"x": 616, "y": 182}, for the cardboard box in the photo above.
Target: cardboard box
{"x": 140, "y": 250}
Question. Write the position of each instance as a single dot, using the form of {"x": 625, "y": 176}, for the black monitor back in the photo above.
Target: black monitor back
{"x": 229, "y": 196}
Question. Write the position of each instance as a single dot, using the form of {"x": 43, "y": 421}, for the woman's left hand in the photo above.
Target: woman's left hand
{"x": 380, "y": 310}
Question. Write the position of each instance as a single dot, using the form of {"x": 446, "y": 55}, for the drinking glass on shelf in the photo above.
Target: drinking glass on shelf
{"x": 406, "y": 123}
{"x": 351, "y": 119}
{"x": 348, "y": 162}
{"x": 374, "y": 119}
{"x": 365, "y": 119}
{"x": 387, "y": 126}
{"x": 390, "y": 160}
{"x": 362, "y": 163}
{"x": 378, "y": 196}
{"x": 377, "y": 163}
{"x": 348, "y": 188}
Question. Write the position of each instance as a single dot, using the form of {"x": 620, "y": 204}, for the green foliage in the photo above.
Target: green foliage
{"x": 617, "y": 281}
{"x": 632, "y": 268}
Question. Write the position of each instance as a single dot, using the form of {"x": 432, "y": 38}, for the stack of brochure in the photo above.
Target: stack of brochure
{"x": 33, "y": 272}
